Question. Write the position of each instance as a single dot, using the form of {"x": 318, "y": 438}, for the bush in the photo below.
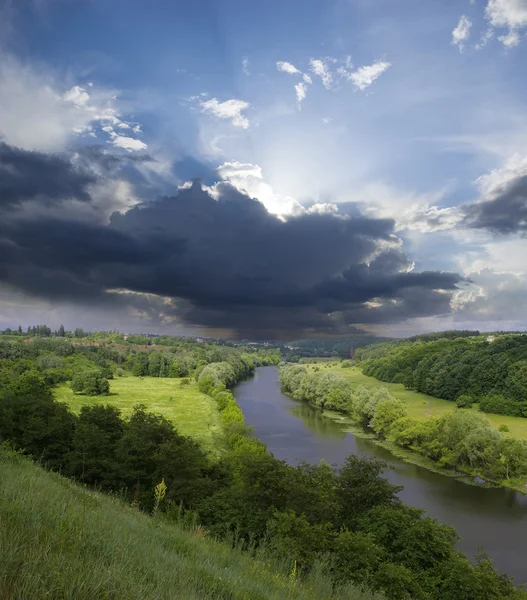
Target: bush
{"x": 90, "y": 383}
{"x": 464, "y": 401}
{"x": 503, "y": 428}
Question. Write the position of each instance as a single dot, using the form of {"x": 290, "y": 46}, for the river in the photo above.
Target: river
{"x": 494, "y": 519}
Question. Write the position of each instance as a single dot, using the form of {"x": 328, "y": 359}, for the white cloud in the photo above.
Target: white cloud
{"x": 248, "y": 179}
{"x": 128, "y": 143}
{"x": 320, "y": 68}
{"x": 245, "y": 65}
{"x": 77, "y": 95}
{"x": 39, "y": 112}
{"x": 365, "y": 76}
{"x": 300, "y": 89}
{"x": 307, "y": 78}
{"x": 508, "y": 13}
{"x": 326, "y": 120}
{"x": 493, "y": 183}
{"x": 462, "y": 32}
{"x": 287, "y": 67}
{"x": 511, "y": 39}
{"x": 230, "y": 109}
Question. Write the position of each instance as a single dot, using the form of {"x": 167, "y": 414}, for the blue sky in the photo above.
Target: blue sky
{"x": 407, "y": 110}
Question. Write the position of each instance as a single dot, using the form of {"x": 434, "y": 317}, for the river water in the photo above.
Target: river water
{"x": 494, "y": 519}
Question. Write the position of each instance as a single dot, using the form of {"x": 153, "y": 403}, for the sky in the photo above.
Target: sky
{"x": 263, "y": 170}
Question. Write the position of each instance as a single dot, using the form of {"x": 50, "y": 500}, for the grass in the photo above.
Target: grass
{"x": 421, "y": 406}
{"x": 59, "y": 540}
{"x": 193, "y": 413}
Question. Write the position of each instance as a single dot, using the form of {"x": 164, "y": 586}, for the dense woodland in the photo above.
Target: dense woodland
{"x": 489, "y": 369}
{"x": 348, "y": 519}
{"x": 462, "y": 440}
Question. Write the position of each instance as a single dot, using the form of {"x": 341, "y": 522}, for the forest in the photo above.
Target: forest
{"x": 348, "y": 519}
{"x": 464, "y": 367}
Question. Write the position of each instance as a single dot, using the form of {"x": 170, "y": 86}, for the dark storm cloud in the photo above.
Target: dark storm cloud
{"x": 506, "y": 213}
{"x": 222, "y": 262}
{"x": 27, "y": 175}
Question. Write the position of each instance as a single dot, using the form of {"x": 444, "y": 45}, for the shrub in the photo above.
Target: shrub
{"x": 503, "y": 428}
{"x": 90, "y": 383}
{"x": 464, "y": 401}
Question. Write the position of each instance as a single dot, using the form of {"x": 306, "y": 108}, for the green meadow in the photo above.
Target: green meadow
{"x": 421, "y": 406}
{"x": 194, "y": 414}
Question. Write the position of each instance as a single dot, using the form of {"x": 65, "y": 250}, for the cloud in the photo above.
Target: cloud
{"x": 502, "y": 208}
{"x": 320, "y": 68}
{"x": 220, "y": 259}
{"x": 511, "y": 14}
{"x": 245, "y": 65}
{"x": 307, "y": 78}
{"x": 365, "y": 76}
{"x": 128, "y": 143}
{"x": 36, "y": 176}
{"x": 461, "y": 33}
{"x": 498, "y": 299}
{"x": 300, "y": 89}
{"x": 40, "y": 112}
{"x": 287, "y": 67}
{"x": 230, "y": 109}
{"x": 248, "y": 179}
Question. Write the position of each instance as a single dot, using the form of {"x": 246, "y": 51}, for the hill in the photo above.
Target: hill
{"x": 60, "y": 540}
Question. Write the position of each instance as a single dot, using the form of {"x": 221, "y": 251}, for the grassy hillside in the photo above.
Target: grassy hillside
{"x": 193, "y": 413}
{"x": 421, "y": 406}
{"x": 58, "y": 540}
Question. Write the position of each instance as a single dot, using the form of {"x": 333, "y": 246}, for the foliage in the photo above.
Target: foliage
{"x": 452, "y": 365}
{"x": 90, "y": 383}
{"x": 462, "y": 439}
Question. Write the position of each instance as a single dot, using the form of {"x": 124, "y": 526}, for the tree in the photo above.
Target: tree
{"x": 61, "y": 331}
{"x": 360, "y": 487}
{"x": 386, "y": 413}
{"x": 93, "y": 458}
{"x": 90, "y": 383}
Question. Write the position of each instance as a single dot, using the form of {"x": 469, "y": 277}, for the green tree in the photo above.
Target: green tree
{"x": 90, "y": 383}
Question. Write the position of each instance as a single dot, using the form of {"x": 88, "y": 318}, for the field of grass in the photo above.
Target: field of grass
{"x": 421, "y": 406}
{"x": 60, "y": 540}
{"x": 193, "y": 413}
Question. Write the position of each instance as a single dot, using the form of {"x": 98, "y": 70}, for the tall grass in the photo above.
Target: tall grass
{"x": 61, "y": 541}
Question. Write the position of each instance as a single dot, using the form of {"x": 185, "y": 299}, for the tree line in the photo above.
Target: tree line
{"x": 348, "y": 519}
{"x": 462, "y": 440}
{"x": 490, "y": 370}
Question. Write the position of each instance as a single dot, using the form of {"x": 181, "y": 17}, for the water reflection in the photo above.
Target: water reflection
{"x": 316, "y": 422}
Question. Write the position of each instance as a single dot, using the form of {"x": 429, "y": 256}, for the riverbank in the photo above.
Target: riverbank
{"x": 409, "y": 456}
{"x": 419, "y": 409}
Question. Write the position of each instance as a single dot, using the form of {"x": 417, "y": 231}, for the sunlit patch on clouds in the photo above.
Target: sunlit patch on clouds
{"x": 248, "y": 179}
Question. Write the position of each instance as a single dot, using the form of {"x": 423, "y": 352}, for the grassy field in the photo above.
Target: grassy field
{"x": 60, "y": 540}
{"x": 421, "y": 406}
{"x": 193, "y": 413}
